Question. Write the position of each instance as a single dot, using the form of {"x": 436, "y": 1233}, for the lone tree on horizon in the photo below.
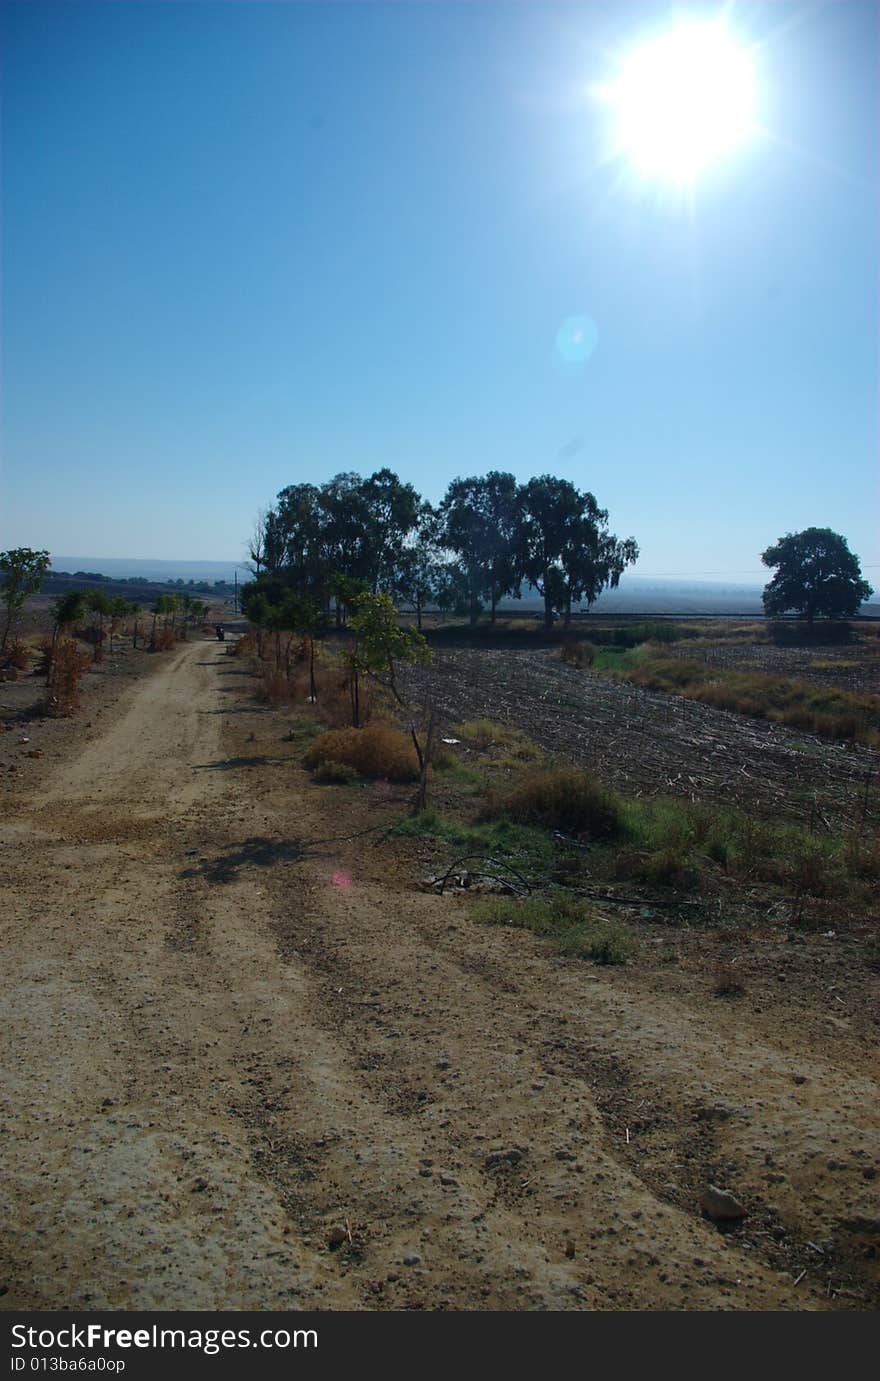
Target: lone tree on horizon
{"x": 816, "y": 575}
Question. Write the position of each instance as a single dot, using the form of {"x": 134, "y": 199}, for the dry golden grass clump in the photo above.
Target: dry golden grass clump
{"x": 509, "y": 745}
{"x": 562, "y": 798}
{"x": 374, "y": 751}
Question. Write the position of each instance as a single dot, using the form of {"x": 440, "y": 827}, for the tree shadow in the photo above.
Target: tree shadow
{"x": 238, "y": 709}
{"x": 229, "y": 764}
{"x": 256, "y": 852}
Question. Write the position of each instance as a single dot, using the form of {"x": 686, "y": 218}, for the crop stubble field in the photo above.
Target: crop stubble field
{"x": 645, "y": 742}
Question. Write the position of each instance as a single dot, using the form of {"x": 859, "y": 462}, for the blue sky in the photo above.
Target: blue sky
{"x": 245, "y": 245}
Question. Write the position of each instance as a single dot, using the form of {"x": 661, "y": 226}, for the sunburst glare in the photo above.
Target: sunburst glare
{"x": 682, "y": 100}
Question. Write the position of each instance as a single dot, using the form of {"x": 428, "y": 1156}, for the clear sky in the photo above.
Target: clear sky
{"x": 246, "y": 245}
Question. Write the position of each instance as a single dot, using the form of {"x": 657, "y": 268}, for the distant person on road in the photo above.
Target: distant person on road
{"x": 219, "y": 631}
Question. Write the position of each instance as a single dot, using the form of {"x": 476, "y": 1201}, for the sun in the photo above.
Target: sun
{"x": 683, "y": 100}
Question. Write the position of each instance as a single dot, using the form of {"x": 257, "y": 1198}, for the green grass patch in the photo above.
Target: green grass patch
{"x": 531, "y": 849}
{"x": 571, "y": 925}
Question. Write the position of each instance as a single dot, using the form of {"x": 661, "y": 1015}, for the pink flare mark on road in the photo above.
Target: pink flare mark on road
{"x": 341, "y": 879}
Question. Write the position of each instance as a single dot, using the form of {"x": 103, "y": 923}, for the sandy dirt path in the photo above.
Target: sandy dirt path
{"x": 224, "y": 1037}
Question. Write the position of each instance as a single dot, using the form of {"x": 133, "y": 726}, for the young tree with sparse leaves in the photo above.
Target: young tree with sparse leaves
{"x": 23, "y": 571}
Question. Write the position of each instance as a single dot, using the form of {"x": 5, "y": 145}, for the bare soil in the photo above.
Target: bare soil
{"x": 235, "y": 1025}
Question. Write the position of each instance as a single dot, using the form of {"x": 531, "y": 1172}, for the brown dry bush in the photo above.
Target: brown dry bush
{"x": 562, "y": 798}
{"x": 245, "y": 646}
{"x": 165, "y": 639}
{"x": 274, "y": 687}
{"x": 334, "y": 701}
{"x": 17, "y": 655}
{"x": 47, "y": 650}
{"x": 577, "y": 654}
{"x": 68, "y": 665}
{"x": 374, "y": 751}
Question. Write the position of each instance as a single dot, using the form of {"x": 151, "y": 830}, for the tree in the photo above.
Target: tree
{"x": 479, "y": 521}
{"x": 392, "y": 511}
{"x": 24, "y": 571}
{"x": 418, "y": 578}
{"x": 568, "y": 552}
{"x": 381, "y": 647}
{"x": 66, "y": 609}
{"x": 816, "y": 575}
{"x": 101, "y": 605}
{"x": 593, "y": 559}
{"x": 553, "y": 511}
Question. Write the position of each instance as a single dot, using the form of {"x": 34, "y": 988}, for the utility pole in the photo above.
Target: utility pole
{"x": 235, "y": 596}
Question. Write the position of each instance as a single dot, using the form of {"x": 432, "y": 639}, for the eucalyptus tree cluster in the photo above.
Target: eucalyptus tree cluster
{"x": 484, "y": 541}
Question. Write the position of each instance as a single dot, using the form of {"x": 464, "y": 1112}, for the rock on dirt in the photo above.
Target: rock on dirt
{"x": 721, "y": 1206}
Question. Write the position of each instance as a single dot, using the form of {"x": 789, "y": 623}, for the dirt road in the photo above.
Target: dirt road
{"x": 226, "y": 1038}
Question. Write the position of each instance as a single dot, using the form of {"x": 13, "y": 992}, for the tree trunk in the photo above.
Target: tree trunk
{"x": 548, "y": 611}
{"x": 355, "y": 697}
{"x": 313, "y": 689}
{"x": 10, "y": 615}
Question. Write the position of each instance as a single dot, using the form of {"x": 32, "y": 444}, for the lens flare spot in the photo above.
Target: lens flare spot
{"x": 576, "y": 340}
{"x": 341, "y": 878}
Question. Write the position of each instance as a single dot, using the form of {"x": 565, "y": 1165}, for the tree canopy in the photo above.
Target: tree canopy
{"x": 816, "y": 576}
{"x": 485, "y": 538}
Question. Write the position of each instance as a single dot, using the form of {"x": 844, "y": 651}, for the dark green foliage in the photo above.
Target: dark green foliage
{"x": 567, "y": 552}
{"x": 487, "y": 536}
{"x": 480, "y": 521}
{"x": 816, "y": 576}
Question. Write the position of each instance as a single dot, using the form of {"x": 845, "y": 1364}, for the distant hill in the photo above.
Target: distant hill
{"x": 124, "y": 568}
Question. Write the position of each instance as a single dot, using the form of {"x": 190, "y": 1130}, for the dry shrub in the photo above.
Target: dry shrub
{"x": 577, "y": 654}
{"x": 563, "y": 798}
{"x": 68, "y": 665}
{"x": 336, "y": 773}
{"x": 334, "y": 700}
{"x": 275, "y": 687}
{"x": 163, "y": 641}
{"x": 245, "y": 646}
{"x": 374, "y": 751}
{"x": 47, "y": 649}
{"x": 17, "y": 655}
